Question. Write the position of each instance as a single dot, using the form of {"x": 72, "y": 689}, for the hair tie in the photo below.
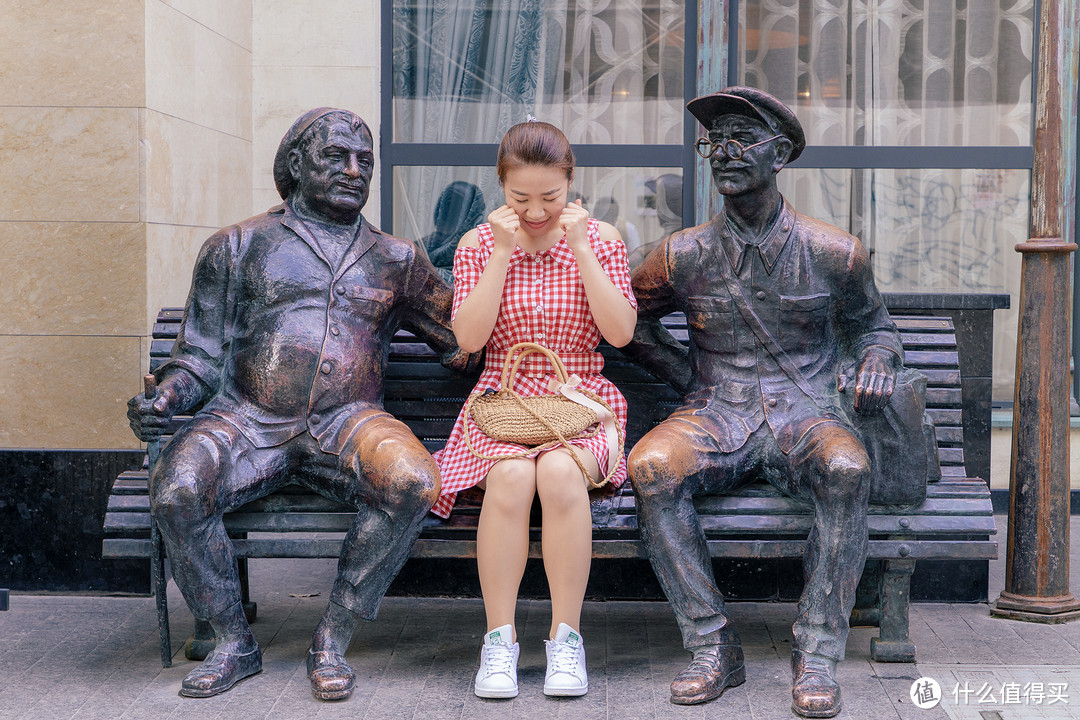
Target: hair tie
{"x": 530, "y": 118}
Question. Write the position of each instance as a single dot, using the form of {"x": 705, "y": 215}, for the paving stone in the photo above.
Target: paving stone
{"x": 96, "y": 658}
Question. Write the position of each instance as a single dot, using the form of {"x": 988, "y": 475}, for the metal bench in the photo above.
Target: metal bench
{"x": 954, "y": 522}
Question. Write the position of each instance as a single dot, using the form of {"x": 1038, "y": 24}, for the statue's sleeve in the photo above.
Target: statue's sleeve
{"x": 863, "y": 319}
{"x": 199, "y": 349}
{"x": 653, "y": 347}
{"x": 427, "y": 313}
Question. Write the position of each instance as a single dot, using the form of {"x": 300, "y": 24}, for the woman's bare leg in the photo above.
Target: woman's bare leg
{"x": 567, "y": 532}
{"x": 502, "y": 537}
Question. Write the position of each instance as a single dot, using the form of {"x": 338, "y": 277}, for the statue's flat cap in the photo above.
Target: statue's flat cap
{"x": 752, "y": 103}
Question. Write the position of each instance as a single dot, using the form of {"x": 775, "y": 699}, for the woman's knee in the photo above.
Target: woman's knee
{"x": 560, "y": 481}
{"x": 510, "y": 486}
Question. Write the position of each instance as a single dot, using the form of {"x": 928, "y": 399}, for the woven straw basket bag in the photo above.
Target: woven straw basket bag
{"x": 540, "y": 421}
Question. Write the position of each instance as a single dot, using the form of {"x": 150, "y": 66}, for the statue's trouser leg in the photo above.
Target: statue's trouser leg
{"x": 668, "y": 466}
{"x": 206, "y": 470}
{"x": 829, "y": 467}
{"x": 392, "y": 480}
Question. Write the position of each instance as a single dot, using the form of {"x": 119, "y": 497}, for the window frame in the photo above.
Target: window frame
{"x": 394, "y": 154}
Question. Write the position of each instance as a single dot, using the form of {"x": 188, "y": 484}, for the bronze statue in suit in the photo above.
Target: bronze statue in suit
{"x": 778, "y": 306}
{"x": 283, "y": 349}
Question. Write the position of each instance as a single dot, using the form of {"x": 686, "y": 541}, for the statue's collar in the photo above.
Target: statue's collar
{"x": 770, "y": 246}
{"x": 361, "y": 243}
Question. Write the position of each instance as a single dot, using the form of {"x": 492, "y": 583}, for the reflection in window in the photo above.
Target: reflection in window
{"x": 863, "y": 72}
{"x": 930, "y": 229}
{"x": 466, "y": 71}
{"x": 644, "y": 204}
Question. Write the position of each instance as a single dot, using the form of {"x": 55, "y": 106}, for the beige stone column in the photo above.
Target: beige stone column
{"x": 125, "y": 139}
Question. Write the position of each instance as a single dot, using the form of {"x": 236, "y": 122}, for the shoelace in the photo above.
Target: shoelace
{"x": 703, "y": 664}
{"x": 816, "y": 666}
{"x": 498, "y": 659}
{"x": 564, "y": 659}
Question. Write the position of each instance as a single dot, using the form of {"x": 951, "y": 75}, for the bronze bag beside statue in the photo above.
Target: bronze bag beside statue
{"x": 543, "y": 421}
{"x": 900, "y": 441}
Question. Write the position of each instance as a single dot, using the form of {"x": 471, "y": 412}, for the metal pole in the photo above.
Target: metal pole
{"x": 157, "y": 546}
{"x": 1037, "y": 559}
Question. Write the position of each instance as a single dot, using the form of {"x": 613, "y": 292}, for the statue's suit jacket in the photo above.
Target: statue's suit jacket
{"x": 284, "y": 344}
{"x": 812, "y": 287}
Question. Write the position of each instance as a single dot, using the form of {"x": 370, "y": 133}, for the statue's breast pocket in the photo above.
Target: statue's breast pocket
{"x": 803, "y": 319}
{"x": 711, "y": 320}
{"x": 370, "y": 303}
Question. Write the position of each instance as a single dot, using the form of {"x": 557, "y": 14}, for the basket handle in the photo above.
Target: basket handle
{"x": 526, "y": 349}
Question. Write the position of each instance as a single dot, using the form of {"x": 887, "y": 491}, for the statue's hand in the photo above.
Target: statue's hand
{"x": 149, "y": 417}
{"x": 463, "y": 362}
{"x": 874, "y": 380}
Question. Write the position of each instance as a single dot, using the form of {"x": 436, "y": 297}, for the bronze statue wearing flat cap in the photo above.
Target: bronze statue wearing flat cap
{"x": 281, "y": 354}
{"x": 779, "y": 306}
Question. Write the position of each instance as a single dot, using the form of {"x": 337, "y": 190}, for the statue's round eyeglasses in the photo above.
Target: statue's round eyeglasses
{"x": 706, "y": 148}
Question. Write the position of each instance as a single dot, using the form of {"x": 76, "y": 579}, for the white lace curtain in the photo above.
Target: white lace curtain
{"x": 604, "y": 71}
{"x": 909, "y": 73}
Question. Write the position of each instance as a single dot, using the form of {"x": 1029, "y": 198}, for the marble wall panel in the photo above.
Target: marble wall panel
{"x": 53, "y": 54}
{"x": 231, "y": 20}
{"x": 171, "y": 251}
{"x": 76, "y": 278}
{"x": 68, "y": 392}
{"x": 196, "y": 74}
{"x": 69, "y": 164}
{"x": 194, "y": 175}
{"x": 322, "y": 33}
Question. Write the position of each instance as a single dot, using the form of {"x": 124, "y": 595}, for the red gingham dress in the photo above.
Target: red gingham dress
{"x": 543, "y": 302}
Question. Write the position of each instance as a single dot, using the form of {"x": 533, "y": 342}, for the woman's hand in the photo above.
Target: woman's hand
{"x": 504, "y": 228}
{"x": 574, "y": 222}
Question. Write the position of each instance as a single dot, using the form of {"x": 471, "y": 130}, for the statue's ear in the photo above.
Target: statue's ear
{"x": 294, "y": 163}
{"x": 784, "y": 148}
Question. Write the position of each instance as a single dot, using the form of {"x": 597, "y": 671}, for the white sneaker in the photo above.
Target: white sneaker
{"x": 566, "y": 674}
{"x": 497, "y": 676}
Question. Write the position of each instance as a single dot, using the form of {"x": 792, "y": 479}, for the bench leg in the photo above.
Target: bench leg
{"x": 251, "y": 610}
{"x": 893, "y": 643}
{"x": 867, "y": 610}
{"x": 201, "y": 643}
{"x": 3, "y": 599}
{"x": 161, "y": 591}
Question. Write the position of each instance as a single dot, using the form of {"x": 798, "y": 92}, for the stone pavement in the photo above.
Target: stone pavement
{"x": 97, "y": 657}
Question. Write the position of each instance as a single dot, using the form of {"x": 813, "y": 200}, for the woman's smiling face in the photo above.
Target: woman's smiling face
{"x": 537, "y": 193}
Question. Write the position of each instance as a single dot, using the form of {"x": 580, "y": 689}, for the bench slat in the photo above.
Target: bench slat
{"x": 931, "y": 358}
{"x": 928, "y": 340}
{"x": 942, "y": 416}
{"x": 917, "y": 323}
{"x": 117, "y": 548}
{"x": 123, "y": 522}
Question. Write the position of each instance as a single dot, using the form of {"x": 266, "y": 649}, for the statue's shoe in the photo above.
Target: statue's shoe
{"x": 814, "y": 691}
{"x": 219, "y": 672}
{"x": 714, "y": 669}
{"x": 331, "y": 677}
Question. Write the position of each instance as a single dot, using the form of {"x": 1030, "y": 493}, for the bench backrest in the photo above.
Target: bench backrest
{"x": 428, "y": 397}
